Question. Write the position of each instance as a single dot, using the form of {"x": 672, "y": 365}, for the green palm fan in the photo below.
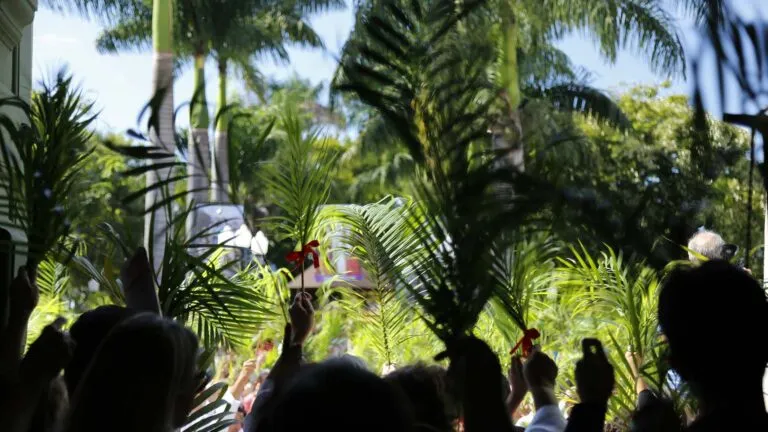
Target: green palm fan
{"x": 525, "y": 272}
{"x": 193, "y": 278}
{"x": 298, "y": 183}
{"x": 378, "y": 236}
{"x": 431, "y": 87}
{"x": 42, "y": 158}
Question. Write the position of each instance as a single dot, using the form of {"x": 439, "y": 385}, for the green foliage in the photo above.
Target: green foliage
{"x": 378, "y": 236}
{"x": 652, "y": 187}
{"x": 297, "y": 181}
{"x": 42, "y": 162}
{"x": 527, "y": 267}
{"x": 618, "y": 296}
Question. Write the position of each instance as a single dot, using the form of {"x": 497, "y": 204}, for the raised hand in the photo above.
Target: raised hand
{"x": 594, "y": 374}
{"x": 49, "y": 354}
{"x": 519, "y": 387}
{"x": 138, "y": 286}
{"x": 249, "y": 366}
{"x": 540, "y": 371}
{"x": 302, "y": 317}
{"x": 24, "y": 295}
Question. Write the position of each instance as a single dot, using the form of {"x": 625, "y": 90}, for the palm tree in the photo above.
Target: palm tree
{"x": 159, "y": 31}
{"x": 414, "y": 66}
{"x": 237, "y": 34}
{"x": 530, "y": 66}
{"x": 162, "y": 132}
{"x": 242, "y": 42}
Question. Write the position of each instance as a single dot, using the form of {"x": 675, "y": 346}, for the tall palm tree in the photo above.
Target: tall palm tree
{"x": 241, "y": 42}
{"x": 237, "y": 34}
{"x": 159, "y": 19}
{"x": 530, "y": 66}
{"x": 162, "y": 132}
{"x": 613, "y": 24}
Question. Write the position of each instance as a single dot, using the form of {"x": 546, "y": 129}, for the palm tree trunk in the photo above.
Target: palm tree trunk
{"x": 507, "y": 131}
{"x": 199, "y": 154}
{"x": 162, "y": 133}
{"x": 221, "y": 149}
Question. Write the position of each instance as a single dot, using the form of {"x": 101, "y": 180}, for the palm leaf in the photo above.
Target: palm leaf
{"x": 619, "y": 296}
{"x": 377, "y": 235}
{"x": 193, "y": 288}
{"x": 210, "y": 411}
{"x": 133, "y": 35}
{"x": 41, "y": 164}
{"x": 52, "y": 277}
{"x": 298, "y": 181}
{"x": 641, "y": 24}
{"x": 585, "y": 100}
{"x": 526, "y": 271}
{"x": 409, "y": 63}
{"x": 193, "y": 277}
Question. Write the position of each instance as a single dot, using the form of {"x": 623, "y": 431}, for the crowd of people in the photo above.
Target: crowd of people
{"x": 128, "y": 369}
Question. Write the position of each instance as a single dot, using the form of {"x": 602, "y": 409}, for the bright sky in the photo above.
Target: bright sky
{"x": 121, "y": 84}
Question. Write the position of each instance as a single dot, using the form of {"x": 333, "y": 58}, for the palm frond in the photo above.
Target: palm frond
{"x": 193, "y": 287}
{"x": 49, "y": 308}
{"x": 526, "y": 271}
{"x": 298, "y": 181}
{"x": 626, "y": 291}
{"x": 378, "y": 236}
{"x": 193, "y": 276}
{"x": 41, "y": 164}
{"x": 704, "y": 10}
{"x": 52, "y": 277}
{"x": 408, "y": 62}
{"x": 641, "y": 24}
{"x": 585, "y": 100}
{"x": 105, "y": 10}
{"x": 133, "y": 35}
{"x": 210, "y": 412}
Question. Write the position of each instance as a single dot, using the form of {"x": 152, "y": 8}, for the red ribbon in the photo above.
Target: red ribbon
{"x": 526, "y": 342}
{"x": 308, "y": 249}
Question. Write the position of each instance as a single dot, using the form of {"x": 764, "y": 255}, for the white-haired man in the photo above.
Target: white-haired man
{"x": 710, "y": 245}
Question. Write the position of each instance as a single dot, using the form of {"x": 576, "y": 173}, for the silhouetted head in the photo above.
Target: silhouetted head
{"x": 141, "y": 379}
{"x": 656, "y": 415}
{"x": 337, "y": 395}
{"x": 715, "y": 318}
{"x": 425, "y": 389}
{"x": 88, "y": 332}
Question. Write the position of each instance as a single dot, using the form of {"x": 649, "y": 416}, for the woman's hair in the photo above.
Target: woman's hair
{"x": 141, "y": 379}
{"x": 88, "y": 332}
{"x": 425, "y": 389}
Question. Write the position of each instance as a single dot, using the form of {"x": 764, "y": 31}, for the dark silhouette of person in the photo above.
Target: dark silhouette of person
{"x": 715, "y": 319}
{"x": 142, "y": 379}
{"x": 336, "y": 395}
{"x": 426, "y": 390}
